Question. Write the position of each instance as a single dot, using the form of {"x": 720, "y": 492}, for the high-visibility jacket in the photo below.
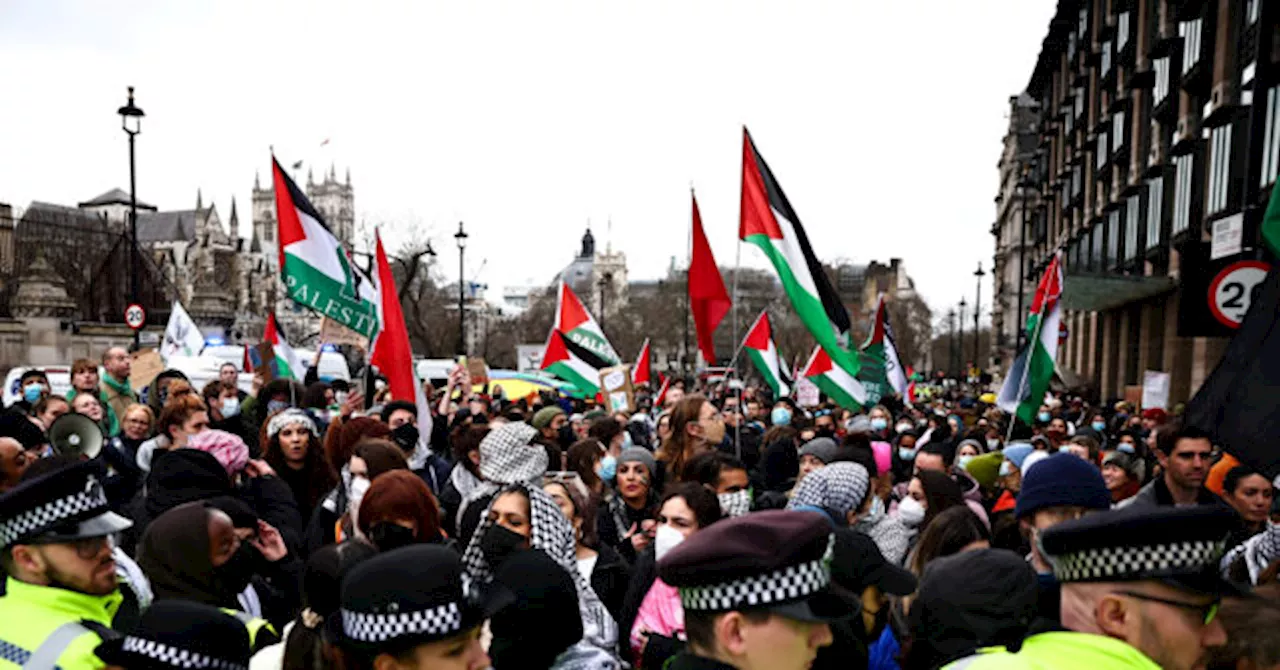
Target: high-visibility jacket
{"x": 255, "y": 625}
{"x": 43, "y": 627}
{"x": 1061, "y": 650}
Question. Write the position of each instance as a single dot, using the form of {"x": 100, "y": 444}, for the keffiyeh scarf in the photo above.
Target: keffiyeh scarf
{"x": 552, "y": 534}
{"x": 506, "y": 457}
{"x": 839, "y": 487}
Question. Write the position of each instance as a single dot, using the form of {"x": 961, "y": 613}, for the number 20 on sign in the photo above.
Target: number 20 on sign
{"x": 1233, "y": 290}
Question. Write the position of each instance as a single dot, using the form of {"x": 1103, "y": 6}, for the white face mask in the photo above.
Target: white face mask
{"x": 910, "y": 512}
{"x": 735, "y": 504}
{"x": 359, "y": 486}
{"x": 666, "y": 539}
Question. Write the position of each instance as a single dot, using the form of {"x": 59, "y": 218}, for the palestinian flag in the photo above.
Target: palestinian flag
{"x": 288, "y": 366}
{"x": 316, "y": 270}
{"x": 662, "y": 393}
{"x": 881, "y": 370}
{"x": 1028, "y": 377}
{"x": 642, "y": 372}
{"x": 764, "y": 353}
{"x": 834, "y": 381}
{"x": 769, "y": 222}
{"x": 910, "y": 394}
{"x": 577, "y": 349}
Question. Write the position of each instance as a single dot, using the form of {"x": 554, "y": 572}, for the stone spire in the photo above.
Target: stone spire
{"x": 234, "y": 222}
{"x": 256, "y": 181}
{"x": 41, "y": 291}
{"x": 348, "y": 176}
{"x": 199, "y": 201}
{"x": 310, "y": 180}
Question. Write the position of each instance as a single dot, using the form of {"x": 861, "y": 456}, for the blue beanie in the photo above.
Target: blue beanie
{"x": 1017, "y": 452}
{"x": 1062, "y": 480}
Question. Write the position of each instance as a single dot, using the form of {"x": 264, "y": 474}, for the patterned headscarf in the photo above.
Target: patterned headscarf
{"x": 552, "y": 534}
{"x": 290, "y": 417}
{"x": 231, "y": 451}
{"x": 507, "y": 457}
{"x": 839, "y": 487}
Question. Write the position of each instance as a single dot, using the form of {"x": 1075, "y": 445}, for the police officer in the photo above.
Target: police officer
{"x": 1140, "y": 589}
{"x": 755, "y": 591}
{"x": 62, "y": 590}
{"x": 180, "y": 635}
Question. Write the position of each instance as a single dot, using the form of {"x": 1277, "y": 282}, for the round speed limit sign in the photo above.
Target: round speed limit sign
{"x": 135, "y": 316}
{"x": 1233, "y": 290}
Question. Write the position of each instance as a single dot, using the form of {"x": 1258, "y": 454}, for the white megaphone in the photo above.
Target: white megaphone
{"x": 76, "y": 435}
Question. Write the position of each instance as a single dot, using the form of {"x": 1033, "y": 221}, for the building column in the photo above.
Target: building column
{"x": 1126, "y": 349}
{"x": 1177, "y": 352}
{"x": 1107, "y": 376}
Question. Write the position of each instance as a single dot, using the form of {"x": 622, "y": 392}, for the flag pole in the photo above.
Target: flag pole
{"x": 688, "y": 304}
{"x": 1026, "y": 369}
{"x": 737, "y": 427}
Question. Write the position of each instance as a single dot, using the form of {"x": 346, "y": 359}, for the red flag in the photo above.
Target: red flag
{"x": 391, "y": 352}
{"x": 640, "y": 374}
{"x": 662, "y": 394}
{"x": 708, "y": 298}
{"x": 911, "y": 385}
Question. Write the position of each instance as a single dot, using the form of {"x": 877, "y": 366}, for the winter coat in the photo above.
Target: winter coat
{"x": 610, "y": 578}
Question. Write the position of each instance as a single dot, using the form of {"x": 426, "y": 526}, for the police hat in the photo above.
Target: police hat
{"x": 180, "y": 634}
{"x": 64, "y": 505}
{"x": 776, "y": 560}
{"x": 406, "y": 597}
{"x": 1178, "y": 545}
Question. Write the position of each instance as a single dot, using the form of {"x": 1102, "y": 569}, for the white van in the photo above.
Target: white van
{"x": 333, "y": 365}
{"x": 201, "y": 370}
{"x": 59, "y": 380}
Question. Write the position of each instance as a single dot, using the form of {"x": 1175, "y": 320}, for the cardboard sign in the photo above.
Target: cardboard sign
{"x": 332, "y": 332}
{"x": 1133, "y": 395}
{"x": 615, "y": 383}
{"x": 806, "y": 393}
{"x": 144, "y": 368}
{"x": 479, "y": 371}
{"x": 267, "y": 354}
{"x": 1155, "y": 389}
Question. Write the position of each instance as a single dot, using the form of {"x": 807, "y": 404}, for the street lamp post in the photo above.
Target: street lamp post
{"x": 461, "y": 237}
{"x": 960, "y": 348}
{"x": 132, "y": 111}
{"x": 951, "y": 348}
{"x": 1022, "y": 255}
{"x": 977, "y": 310}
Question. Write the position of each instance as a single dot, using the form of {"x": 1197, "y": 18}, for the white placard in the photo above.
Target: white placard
{"x": 1228, "y": 234}
{"x": 614, "y": 380}
{"x": 1155, "y": 389}
{"x": 806, "y": 393}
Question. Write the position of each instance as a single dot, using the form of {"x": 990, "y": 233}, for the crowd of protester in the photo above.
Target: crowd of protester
{"x": 301, "y": 527}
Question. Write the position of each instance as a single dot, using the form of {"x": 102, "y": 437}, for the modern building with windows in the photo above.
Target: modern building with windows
{"x": 1156, "y": 125}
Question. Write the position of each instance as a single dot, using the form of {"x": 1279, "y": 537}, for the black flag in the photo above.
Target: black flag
{"x": 1239, "y": 404}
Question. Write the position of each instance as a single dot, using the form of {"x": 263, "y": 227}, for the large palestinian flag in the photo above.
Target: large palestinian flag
{"x": 577, "y": 349}
{"x": 316, "y": 270}
{"x": 764, "y": 353}
{"x": 839, "y": 385}
{"x": 881, "y": 372}
{"x": 769, "y": 222}
{"x": 1028, "y": 378}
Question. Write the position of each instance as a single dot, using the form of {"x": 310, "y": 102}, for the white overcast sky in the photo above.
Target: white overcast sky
{"x": 882, "y": 120}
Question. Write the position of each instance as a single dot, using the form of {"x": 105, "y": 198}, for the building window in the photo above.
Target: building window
{"x": 1079, "y": 102}
{"x": 1075, "y": 181}
{"x": 1071, "y": 46}
{"x": 1155, "y": 210}
{"x": 1117, "y": 131}
{"x": 1183, "y": 182}
{"x": 1251, "y": 11}
{"x": 1114, "y": 222}
{"x": 1161, "y": 90}
{"x": 1219, "y": 168}
{"x": 1271, "y": 138}
{"x": 1099, "y": 242}
{"x": 1131, "y": 211}
{"x": 1102, "y": 149}
{"x": 1071, "y": 124}
{"x": 1084, "y": 21}
{"x": 1122, "y": 31}
{"x": 1106, "y": 58}
{"x": 1190, "y": 32}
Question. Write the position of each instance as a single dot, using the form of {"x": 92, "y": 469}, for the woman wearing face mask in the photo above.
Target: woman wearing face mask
{"x": 967, "y": 451}
{"x": 223, "y": 401}
{"x": 339, "y": 445}
{"x": 193, "y": 552}
{"x": 780, "y": 457}
{"x": 275, "y": 396}
{"x": 904, "y": 455}
{"x": 369, "y": 460}
{"x": 929, "y": 494}
{"x": 183, "y": 416}
{"x": 293, "y": 450}
{"x": 598, "y": 563}
{"x": 521, "y": 517}
{"x": 398, "y": 510}
{"x": 658, "y": 624}
{"x": 588, "y": 458}
{"x": 879, "y": 417}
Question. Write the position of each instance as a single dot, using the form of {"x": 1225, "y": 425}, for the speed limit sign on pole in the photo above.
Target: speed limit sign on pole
{"x": 1233, "y": 289}
{"x": 135, "y": 316}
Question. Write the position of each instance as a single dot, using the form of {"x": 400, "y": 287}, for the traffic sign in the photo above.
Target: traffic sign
{"x": 1233, "y": 289}
{"x": 135, "y": 316}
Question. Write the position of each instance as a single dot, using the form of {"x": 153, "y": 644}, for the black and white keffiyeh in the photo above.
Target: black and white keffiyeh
{"x": 552, "y": 534}
{"x": 507, "y": 457}
{"x": 290, "y": 417}
{"x": 839, "y": 487}
{"x": 1258, "y": 551}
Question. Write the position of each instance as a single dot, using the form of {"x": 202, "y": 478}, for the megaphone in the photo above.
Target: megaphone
{"x": 76, "y": 435}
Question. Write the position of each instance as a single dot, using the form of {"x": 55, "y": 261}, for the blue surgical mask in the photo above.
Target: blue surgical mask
{"x": 274, "y": 406}
{"x": 1126, "y": 448}
{"x": 1043, "y": 417}
{"x": 963, "y": 461}
{"x": 608, "y": 468}
{"x": 1100, "y": 426}
{"x": 230, "y": 407}
{"x": 878, "y": 424}
{"x": 780, "y": 416}
{"x": 31, "y": 393}
{"x": 627, "y": 442}
{"x": 907, "y": 454}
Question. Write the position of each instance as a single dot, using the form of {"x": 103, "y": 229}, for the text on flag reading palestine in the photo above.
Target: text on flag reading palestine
{"x": 332, "y": 309}
{"x": 594, "y": 344}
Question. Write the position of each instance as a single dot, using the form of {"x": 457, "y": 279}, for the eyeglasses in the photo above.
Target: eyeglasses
{"x": 1206, "y": 611}
{"x": 85, "y": 547}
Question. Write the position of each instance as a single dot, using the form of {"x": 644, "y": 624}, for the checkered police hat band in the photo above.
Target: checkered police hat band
{"x": 51, "y": 514}
{"x": 1151, "y": 560}
{"x": 365, "y": 627}
{"x": 173, "y": 656}
{"x": 790, "y": 583}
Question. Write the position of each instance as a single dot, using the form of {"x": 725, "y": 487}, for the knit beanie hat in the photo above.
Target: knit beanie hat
{"x": 543, "y": 417}
{"x": 1062, "y": 480}
{"x": 985, "y": 469}
{"x": 639, "y": 455}
{"x": 1017, "y": 452}
{"x": 821, "y": 448}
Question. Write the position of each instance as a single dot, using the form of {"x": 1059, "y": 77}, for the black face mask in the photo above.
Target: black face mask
{"x": 498, "y": 544}
{"x": 406, "y": 436}
{"x": 387, "y": 536}
{"x": 233, "y": 576}
{"x": 825, "y": 432}
{"x": 566, "y": 437}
